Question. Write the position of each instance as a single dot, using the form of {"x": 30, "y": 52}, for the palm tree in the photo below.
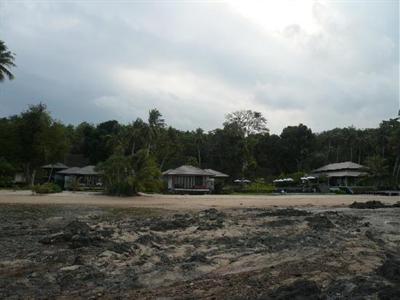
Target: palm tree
{"x": 6, "y": 61}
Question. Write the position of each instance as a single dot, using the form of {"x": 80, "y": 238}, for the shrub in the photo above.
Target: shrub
{"x": 6, "y": 181}
{"x": 6, "y": 173}
{"x": 258, "y": 187}
{"x": 47, "y": 188}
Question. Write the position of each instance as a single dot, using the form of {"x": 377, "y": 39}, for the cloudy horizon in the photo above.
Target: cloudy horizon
{"x": 321, "y": 63}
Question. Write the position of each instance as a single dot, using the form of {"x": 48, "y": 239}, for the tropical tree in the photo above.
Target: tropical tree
{"x": 251, "y": 122}
{"x": 156, "y": 124}
{"x": 128, "y": 175}
{"x": 41, "y": 140}
{"x": 298, "y": 142}
{"x": 6, "y": 61}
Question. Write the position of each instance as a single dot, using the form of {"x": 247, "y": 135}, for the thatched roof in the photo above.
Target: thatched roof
{"x": 58, "y": 166}
{"x": 216, "y": 174}
{"x": 348, "y": 165}
{"x": 187, "y": 170}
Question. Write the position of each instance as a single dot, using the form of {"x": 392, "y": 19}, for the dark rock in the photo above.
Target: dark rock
{"x": 56, "y": 238}
{"x": 281, "y": 223}
{"x": 373, "y": 238}
{"x": 354, "y": 288}
{"x": 164, "y": 259}
{"x": 390, "y": 269}
{"x": 76, "y": 233}
{"x": 389, "y": 293}
{"x": 210, "y": 225}
{"x": 148, "y": 239}
{"x": 319, "y": 222}
{"x": 397, "y": 204}
{"x": 77, "y": 227}
{"x": 211, "y": 214}
{"x": 367, "y": 205}
{"x": 285, "y": 212}
{"x": 117, "y": 247}
{"x": 188, "y": 266}
{"x": 78, "y": 277}
{"x": 198, "y": 257}
{"x": 177, "y": 222}
{"x": 209, "y": 219}
{"x": 298, "y": 290}
{"x": 83, "y": 240}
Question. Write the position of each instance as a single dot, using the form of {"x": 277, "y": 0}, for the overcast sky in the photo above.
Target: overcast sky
{"x": 320, "y": 63}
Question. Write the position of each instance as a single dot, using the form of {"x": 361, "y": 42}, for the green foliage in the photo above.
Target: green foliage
{"x": 242, "y": 148}
{"x": 128, "y": 175}
{"x": 6, "y": 173}
{"x": 47, "y": 188}
{"x": 6, "y": 181}
{"x": 32, "y": 139}
{"x": 259, "y": 186}
{"x": 192, "y": 161}
{"x": 6, "y": 61}
{"x": 377, "y": 166}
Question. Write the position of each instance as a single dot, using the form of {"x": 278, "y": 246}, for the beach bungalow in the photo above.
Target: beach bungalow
{"x": 51, "y": 170}
{"x": 341, "y": 174}
{"x": 190, "y": 179}
{"x": 85, "y": 177}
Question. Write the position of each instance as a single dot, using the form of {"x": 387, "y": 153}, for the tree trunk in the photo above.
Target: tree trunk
{"x": 51, "y": 172}
{"x": 163, "y": 161}
{"x": 398, "y": 170}
{"x": 395, "y": 166}
{"x": 27, "y": 173}
{"x": 329, "y": 152}
{"x": 199, "y": 156}
{"x": 337, "y": 154}
{"x": 133, "y": 148}
{"x": 33, "y": 178}
{"x": 351, "y": 153}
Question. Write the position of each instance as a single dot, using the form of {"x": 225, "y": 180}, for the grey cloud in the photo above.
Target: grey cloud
{"x": 69, "y": 55}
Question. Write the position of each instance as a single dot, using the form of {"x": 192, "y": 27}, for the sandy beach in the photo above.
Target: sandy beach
{"x": 177, "y": 202}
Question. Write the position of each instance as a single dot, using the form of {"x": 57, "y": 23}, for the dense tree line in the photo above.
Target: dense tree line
{"x": 243, "y": 147}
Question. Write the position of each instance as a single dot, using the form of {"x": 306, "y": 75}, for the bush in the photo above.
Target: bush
{"x": 228, "y": 189}
{"x": 47, "y": 188}
{"x": 258, "y": 187}
{"x": 6, "y": 181}
{"x": 6, "y": 173}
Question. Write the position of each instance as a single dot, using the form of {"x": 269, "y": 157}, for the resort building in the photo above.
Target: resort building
{"x": 85, "y": 177}
{"x": 188, "y": 178}
{"x": 52, "y": 169}
{"x": 341, "y": 174}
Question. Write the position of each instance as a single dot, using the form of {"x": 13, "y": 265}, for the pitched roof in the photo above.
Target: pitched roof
{"x": 347, "y": 165}
{"x": 55, "y": 166}
{"x": 216, "y": 173}
{"x": 70, "y": 171}
{"x": 187, "y": 170}
{"x": 88, "y": 170}
{"x": 348, "y": 173}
